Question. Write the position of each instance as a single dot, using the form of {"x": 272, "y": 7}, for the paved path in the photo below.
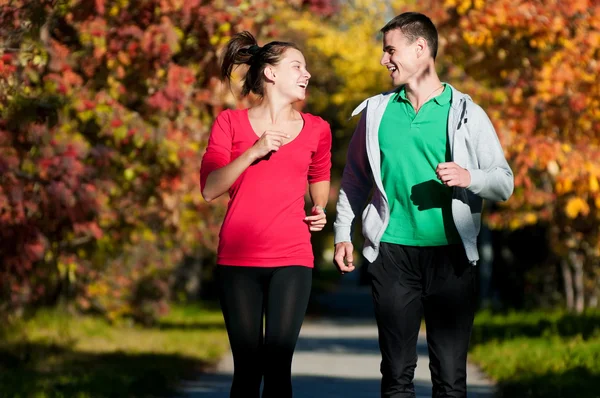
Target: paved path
{"x": 337, "y": 356}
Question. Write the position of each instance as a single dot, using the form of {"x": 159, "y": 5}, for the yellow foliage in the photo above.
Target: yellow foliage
{"x": 97, "y": 289}
{"x": 530, "y": 218}
{"x": 114, "y": 11}
{"x": 463, "y": 6}
{"x": 347, "y": 50}
{"x": 515, "y": 223}
{"x": 148, "y": 235}
{"x": 564, "y": 186}
{"x": 576, "y": 206}
{"x": 594, "y": 184}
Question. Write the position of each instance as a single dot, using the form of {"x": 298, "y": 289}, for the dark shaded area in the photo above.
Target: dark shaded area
{"x": 579, "y": 382}
{"x": 164, "y": 325}
{"x": 347, "y": 302}
{"x": 217, "y": 386}
{"x": 27, "y": 370}
{"x": 523, "y": 276}
{"x": 429, "y": 195}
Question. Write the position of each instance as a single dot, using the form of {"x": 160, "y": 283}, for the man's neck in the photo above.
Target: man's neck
{"x": 423, "y": 87}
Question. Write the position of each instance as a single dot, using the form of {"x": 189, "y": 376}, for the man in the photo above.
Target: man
{"x": 429, "y": 156}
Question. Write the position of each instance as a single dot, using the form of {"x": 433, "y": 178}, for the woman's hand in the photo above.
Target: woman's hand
{"x": 317, "y": 220}
{"x": 269, "y": 142}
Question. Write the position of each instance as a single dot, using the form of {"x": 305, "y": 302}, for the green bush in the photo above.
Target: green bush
{"x": 550, "y": 355}
{"x": 54, "y": 354}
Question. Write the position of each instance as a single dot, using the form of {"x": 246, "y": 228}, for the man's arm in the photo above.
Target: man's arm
{"x": 493, "y": 179}
{"x": 357, "y": 184}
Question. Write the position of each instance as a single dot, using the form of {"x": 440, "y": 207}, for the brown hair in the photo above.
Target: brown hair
{"x": 414, "y": 25}
{"x": 243, "y": 49}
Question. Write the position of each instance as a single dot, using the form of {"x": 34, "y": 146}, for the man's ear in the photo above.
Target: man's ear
{"x": 421, "y": 46}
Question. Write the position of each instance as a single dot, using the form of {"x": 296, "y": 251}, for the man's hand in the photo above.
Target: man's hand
{"x": 343, "y": 257}
{"x": 317, "y": 220}
{"x": 452, "y": 175}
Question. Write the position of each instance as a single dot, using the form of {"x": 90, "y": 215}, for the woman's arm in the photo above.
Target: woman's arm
{"x": 220, "y": 180}
{"x": 319, "y": 194}
{"x": 319, "y": 173}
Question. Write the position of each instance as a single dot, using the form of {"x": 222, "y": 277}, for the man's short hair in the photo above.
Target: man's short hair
{"x": 414, "y": 25}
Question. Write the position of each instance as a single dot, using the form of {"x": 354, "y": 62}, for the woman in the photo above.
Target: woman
{"x": 264, "y": 156}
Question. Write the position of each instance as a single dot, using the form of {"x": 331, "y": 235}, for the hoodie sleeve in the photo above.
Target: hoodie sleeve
{"x": 493, "y": 178}
{"x": 357, "y": 183}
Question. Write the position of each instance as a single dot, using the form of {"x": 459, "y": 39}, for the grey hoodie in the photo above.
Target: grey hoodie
{"x": 474, "y": 146}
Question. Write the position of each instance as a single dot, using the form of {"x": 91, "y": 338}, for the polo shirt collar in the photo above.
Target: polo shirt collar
{"x": 445, "y": 96}
{"x": 440, "y": 99}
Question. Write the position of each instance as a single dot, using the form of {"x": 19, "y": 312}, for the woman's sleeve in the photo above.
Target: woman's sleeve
{"x": 218, "y": 150}
{"x": 320, "y": 167}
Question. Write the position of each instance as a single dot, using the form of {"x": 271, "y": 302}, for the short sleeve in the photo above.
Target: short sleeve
{"x": 218, "y": 150}
{"x": 320, "y": 167}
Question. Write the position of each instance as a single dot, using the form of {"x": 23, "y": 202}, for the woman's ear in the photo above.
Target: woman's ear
{"x": 269, "y": 73}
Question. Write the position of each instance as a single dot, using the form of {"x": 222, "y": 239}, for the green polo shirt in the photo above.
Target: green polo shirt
{"x": 412, "y": 145}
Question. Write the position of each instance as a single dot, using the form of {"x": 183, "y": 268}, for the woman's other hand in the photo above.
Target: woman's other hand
{"x": 317, "y": 220}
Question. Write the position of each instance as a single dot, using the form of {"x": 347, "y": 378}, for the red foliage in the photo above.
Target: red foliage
{"x": 104, "y": 121}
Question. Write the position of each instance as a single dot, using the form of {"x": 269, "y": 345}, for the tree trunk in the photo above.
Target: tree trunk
{"x": 578, "y": 280}
{"x": 188, "y": 277}
{"x": 568, "y": 283}
{"x": 593, "y": 301}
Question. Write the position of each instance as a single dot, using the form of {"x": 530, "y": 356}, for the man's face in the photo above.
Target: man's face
{"x": 400, "y": 57}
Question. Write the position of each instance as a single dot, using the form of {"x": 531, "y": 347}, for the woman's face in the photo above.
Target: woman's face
{"x": 291, "y": 76}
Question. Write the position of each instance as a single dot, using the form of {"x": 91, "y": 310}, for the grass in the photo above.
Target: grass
{"x": 58, "y": 355}
{"x": 53, "y": 354}
{"x": 550, "y": 355}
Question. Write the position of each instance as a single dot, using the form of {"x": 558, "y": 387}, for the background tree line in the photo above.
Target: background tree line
{"x": 106, "y": 107}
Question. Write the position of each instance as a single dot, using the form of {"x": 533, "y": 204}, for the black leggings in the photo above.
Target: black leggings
{"x": 281, "y": 294}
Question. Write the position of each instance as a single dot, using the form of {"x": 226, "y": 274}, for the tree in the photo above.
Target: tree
{"x": 534, "y": 66}
{"x": 106, "y": 106}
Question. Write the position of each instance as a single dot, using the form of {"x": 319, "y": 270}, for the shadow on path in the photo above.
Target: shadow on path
{"x": 217, "y": 386}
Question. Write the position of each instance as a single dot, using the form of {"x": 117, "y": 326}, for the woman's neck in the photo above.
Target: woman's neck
{"x": 274, "y": 112}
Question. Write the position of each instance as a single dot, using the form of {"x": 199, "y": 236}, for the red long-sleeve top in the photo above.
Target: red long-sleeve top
{"x": 264, "y": 225}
